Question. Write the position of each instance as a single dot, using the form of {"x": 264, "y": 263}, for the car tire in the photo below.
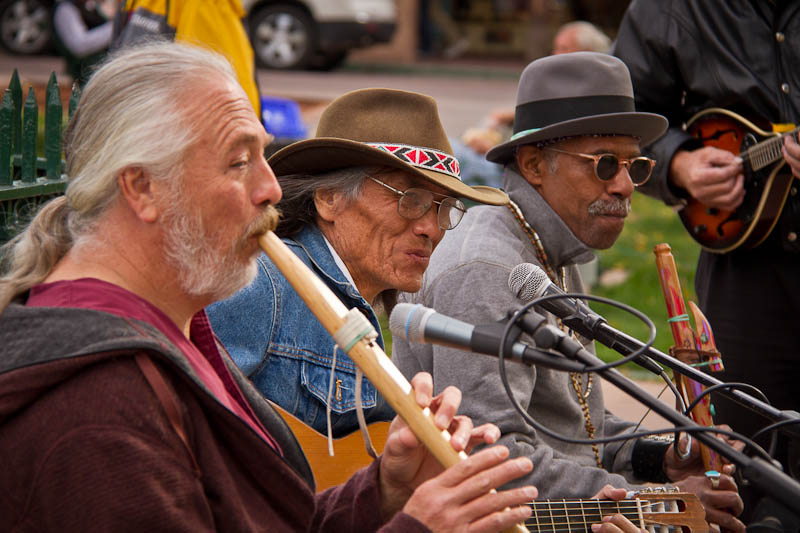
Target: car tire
{"x": 283, "y": 37}
{"x": 25, "y": 26}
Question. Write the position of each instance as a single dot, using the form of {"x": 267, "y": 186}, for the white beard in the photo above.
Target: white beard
{"x": 204, "y": 271}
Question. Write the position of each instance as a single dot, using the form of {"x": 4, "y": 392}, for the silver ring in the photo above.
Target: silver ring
{"x": 713, "y": 476}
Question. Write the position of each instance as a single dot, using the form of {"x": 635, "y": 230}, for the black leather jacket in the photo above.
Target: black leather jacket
{"x": 688, "y": 55}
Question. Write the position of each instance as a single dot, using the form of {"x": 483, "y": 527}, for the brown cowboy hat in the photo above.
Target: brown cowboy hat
{"x": 382, "y": 127}
{"x": 580, "y": 93}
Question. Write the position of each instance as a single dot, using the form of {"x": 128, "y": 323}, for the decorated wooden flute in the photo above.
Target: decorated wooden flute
{"x": 691, "y": 347}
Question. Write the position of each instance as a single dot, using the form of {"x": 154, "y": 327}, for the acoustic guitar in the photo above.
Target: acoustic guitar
{"x": 767, "y": 180}
{"x": 350, "y": 454}
{"x": 656, "y": 510}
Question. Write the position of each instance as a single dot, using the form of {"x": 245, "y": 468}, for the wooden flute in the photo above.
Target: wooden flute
{"x": 369, "y": 357}
{"x": 688, "y": 345}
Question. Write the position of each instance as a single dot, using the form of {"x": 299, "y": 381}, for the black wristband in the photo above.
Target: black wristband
{"x": 647, "y": 460}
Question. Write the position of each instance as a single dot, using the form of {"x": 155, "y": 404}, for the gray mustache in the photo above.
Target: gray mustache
{"x": 613, "y": 207}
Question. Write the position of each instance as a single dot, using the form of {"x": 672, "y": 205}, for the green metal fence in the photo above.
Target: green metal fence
{"x": 28, "y": 179}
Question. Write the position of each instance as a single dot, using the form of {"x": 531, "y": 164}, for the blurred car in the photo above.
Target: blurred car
{"x": 316, "y": 34}
{"x": 285, "y": 34}
{"x": 25, "y": 26}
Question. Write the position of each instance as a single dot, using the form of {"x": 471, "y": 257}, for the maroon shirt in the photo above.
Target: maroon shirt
{"x": 200, "y": 350}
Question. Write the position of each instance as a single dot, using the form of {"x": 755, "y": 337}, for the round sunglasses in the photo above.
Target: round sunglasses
{"x": 606, "y": 166}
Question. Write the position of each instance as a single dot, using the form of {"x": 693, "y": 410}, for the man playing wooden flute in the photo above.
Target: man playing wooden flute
{"x": 119, "y": 411}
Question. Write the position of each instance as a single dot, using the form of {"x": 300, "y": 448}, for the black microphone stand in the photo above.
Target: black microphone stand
{"x": 598, "y": 329}
{"x": 770, "y": 479}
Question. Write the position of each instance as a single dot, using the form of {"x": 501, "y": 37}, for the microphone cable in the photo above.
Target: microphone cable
{"x": 517, "y": 315}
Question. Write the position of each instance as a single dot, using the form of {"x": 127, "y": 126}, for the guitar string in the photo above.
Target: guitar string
{"x": 529, "y": 522}
{"x": 604, "y": 508}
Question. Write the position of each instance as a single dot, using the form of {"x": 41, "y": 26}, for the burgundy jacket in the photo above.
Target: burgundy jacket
{"x": 86, "y": 445}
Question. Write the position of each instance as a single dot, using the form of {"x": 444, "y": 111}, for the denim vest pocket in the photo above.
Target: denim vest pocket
{"x": 315, "y": 378}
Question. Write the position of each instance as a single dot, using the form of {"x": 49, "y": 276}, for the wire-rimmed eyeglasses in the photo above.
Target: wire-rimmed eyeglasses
{"x": 414, "y": 203}
{"x": 606, "y": 166}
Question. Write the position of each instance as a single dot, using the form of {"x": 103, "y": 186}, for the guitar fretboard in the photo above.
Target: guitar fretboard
{"x": 575, "y": 516}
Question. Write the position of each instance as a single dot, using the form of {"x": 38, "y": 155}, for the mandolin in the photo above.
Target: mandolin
{"x": 767, "y": 180}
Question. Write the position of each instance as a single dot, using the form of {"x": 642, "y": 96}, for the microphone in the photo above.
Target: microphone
{"x": 423, "y": 325}
{"x": 528, "y": 282}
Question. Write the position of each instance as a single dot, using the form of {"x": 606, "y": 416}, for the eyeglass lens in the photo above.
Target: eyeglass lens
{"x": 607, "y": 167}
{"x": 415, "y": 203}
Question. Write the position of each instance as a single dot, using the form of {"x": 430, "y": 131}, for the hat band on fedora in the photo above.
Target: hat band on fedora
{"x": 424, "y": 158}
{"x": 536, "y": 115}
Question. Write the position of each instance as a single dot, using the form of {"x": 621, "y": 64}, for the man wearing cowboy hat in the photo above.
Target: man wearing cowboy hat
{"x": 119, "y": 411}
{"x": 364, "y": 204}
{"x": 570, "y": 170}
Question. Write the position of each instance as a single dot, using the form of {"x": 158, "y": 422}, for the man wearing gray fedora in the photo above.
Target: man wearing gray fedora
{"x": 570, "y": 170}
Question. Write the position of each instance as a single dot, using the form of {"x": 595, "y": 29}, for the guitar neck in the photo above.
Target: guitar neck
{"x": 667, "y": 512}
{"x": 578, "y": 515}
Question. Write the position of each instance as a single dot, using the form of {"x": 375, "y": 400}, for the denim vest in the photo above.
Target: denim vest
{"x": 287, "y": 353}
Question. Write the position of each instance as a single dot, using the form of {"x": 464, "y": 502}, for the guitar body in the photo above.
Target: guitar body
{"x": 766, "y": 188}
{"x": 350, "y": 453}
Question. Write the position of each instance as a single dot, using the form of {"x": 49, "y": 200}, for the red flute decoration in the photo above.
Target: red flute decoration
{"x": 689, "y": 345}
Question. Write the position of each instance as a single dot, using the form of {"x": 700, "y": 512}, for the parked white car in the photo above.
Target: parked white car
{"x": 25, "y": 25}
{"x": 285, "y": 34}
{"x": 297, "y": 34}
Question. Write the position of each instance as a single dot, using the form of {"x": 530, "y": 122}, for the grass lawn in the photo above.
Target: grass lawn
{"x": 650, "y": 223}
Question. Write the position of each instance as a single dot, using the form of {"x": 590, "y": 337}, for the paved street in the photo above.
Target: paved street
{"x": 466, "y": 92}
{"x": 464, "y": 100}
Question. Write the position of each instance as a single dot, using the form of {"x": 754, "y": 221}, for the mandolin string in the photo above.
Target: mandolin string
{"x": 763, "y": 148}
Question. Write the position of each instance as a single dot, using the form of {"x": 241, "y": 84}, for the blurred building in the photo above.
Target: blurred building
{"x": 496, "y": 29}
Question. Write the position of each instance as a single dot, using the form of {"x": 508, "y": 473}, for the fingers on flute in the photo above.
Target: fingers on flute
{"x": 422, "y": 383}
{"x": 444, "y": 406}
{"x": 485, "y": 470}
{"x": 484, "y": 434}
{"x": 503, "y": 515}
{"x": 460, "y": 497}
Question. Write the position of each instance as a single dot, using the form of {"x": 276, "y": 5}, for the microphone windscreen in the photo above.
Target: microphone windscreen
{"x": 407, "y": 321}
{"x": 527, "y": 281}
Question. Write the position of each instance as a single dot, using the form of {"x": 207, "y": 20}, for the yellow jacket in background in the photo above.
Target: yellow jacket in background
{"x": 214, "y": 24}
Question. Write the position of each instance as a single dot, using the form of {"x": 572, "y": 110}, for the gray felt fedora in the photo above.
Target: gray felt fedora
{"x": 580, "y": 93}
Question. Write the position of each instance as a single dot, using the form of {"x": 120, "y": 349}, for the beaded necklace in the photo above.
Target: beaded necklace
{"x": 561, "y": 281}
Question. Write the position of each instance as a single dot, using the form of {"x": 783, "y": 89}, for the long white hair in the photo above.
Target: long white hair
{"x": 131, "y": 114}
